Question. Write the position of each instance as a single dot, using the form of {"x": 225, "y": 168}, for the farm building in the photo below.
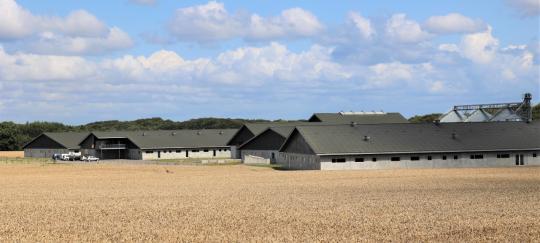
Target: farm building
{"x": 47, "y": 144}
{"x": 250, "y": 130}
{"x": 358, "y": 117}
{"x": 380, "y": 146}
{"x": 266, "y": 145}
{"x": 145, "y": 145}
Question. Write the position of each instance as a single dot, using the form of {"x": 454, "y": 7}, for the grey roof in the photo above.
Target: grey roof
{"x": 257, "y": 128}
{"x": 173, "y": 138}
{"x": 360, "y": 118}
{"x": 69, "y": 140}
{"x": 283, "y": 131}
{"x": 422, "y": 137}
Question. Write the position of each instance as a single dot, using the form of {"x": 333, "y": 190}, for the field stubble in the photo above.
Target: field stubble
{"x": 46, "y": 202}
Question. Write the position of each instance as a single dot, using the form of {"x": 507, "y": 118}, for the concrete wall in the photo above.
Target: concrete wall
{"x": 267, "y": 154}
{"x": 463, "y": 161}
{"x": 43, "y": 153}
{"x": 255, "y": 160}
{"x": 295, "y": 161}
{"x": 225, "y": 153}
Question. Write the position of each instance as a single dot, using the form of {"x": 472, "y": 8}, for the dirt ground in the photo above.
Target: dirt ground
{"x": 118, "y": 202}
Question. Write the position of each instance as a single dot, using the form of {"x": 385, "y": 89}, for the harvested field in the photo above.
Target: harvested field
{"x": 11, "y": 154}
{"x": 104, "y": 202}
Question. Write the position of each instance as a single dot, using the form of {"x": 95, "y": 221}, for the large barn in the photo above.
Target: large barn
{"x": 250, "y": 130}
{"x": 145, "y": 145}
{"x": 427, "y": 145}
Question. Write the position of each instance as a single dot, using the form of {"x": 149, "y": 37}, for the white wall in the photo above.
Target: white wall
{"x": 267, "y": 154}
{"x": 225, "y": 153}
{"x": 463, "y": 161}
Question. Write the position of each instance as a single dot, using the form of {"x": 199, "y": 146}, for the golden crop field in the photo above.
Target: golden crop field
{"x": 11, "y": 154}
{"x": 236, "y": 203}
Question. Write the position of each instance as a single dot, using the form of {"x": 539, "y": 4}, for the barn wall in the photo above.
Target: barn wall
{"x": 43, "y": 153}
{"x": 294, "y": 161}
{"x": 267, "y": 154}
{"x": 225, "y": 153}
{"x": 463, "y": 161}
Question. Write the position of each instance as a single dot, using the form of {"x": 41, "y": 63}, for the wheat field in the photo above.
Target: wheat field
{"x": 103, "y": 202}
{"x": 11, "y": 154}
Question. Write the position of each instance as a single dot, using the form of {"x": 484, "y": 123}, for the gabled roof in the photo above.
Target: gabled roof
{"x": 258, "y": 128}
{"x": 173, "y": 138}
{"x": 422, "y": 137}
{"x": 358, "y": 117}
{"x": 69, "y": 140}
{"x": 281, "y": 131}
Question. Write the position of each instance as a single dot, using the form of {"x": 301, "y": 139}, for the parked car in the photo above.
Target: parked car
{"x": 90, "y": 159}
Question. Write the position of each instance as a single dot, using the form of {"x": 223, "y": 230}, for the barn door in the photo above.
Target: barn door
{"x": 520, "y": 159}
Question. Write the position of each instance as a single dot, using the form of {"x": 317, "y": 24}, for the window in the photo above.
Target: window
{"x": 444, "y": 157}
{"x": 219, "y": 150}
{"x": 534, "y": 155}
{"x": 374, "y": 159}
{"x": 170, "y": 151}
{"x": 429, "y": 157}
{"x": 338, "y": 160}
{"x": 477, "y": 156}
{"x": 415, "y": 158}
{"x": 503, "y": 156}
{"x": 179, "y": 151}
{"x": 206, "y": 150}
{"x": 149, "y": 152}
{"x": 456, "y": 157}
{"x": 359, "y": 160}
{"x": 195, "y": 151}
{"x": 395, "y": 159}
{"x": 225, "y": 150}
{"x": 164, "y": 151}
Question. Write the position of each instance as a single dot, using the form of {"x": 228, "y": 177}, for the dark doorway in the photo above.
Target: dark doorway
{"x": 519, "y": 159}
{"x": 159, "y": 154}
{"x": 214, "y": 153}
{"x": 187, "y": 153}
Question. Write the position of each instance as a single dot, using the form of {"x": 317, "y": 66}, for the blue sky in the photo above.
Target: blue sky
{"x": 81, "y": 61}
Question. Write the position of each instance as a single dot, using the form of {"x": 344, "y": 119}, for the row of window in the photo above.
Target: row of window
{"x": 180, "y": 151}
{"x": 429, "y": 157}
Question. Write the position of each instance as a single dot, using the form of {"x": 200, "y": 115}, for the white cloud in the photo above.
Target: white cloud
{"x": 363, "y": 25}
{"x": 212, "y": 22}
{"x": 448, "y": 47}
{"x": 15, "y": 22}
{"x": 453, "y": 23}
{"x": 479, "y": 47}
{"x": 525, "y": 7}
{"x": 401, "y": 29}
{"x": 78, "y": 33}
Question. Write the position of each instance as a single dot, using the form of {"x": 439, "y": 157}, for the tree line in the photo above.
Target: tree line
{"x": 14, "y": 136}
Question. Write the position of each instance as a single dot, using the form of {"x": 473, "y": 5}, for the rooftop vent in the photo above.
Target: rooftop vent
{"x": 367, "y": 138}
{"x": 220, "y": 132}
{"x": 353, "y": 124}
{"x": 198, "y": 132}
{"x": 144, "y": 134}
{"x": 173, "y": 133}
{"x": 454, "y": 135}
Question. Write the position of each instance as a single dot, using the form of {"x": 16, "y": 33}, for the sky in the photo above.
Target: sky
{"x": 81, "y": 61}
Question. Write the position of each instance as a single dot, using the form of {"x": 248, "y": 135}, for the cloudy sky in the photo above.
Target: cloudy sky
{"x": 81, "y": 61}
